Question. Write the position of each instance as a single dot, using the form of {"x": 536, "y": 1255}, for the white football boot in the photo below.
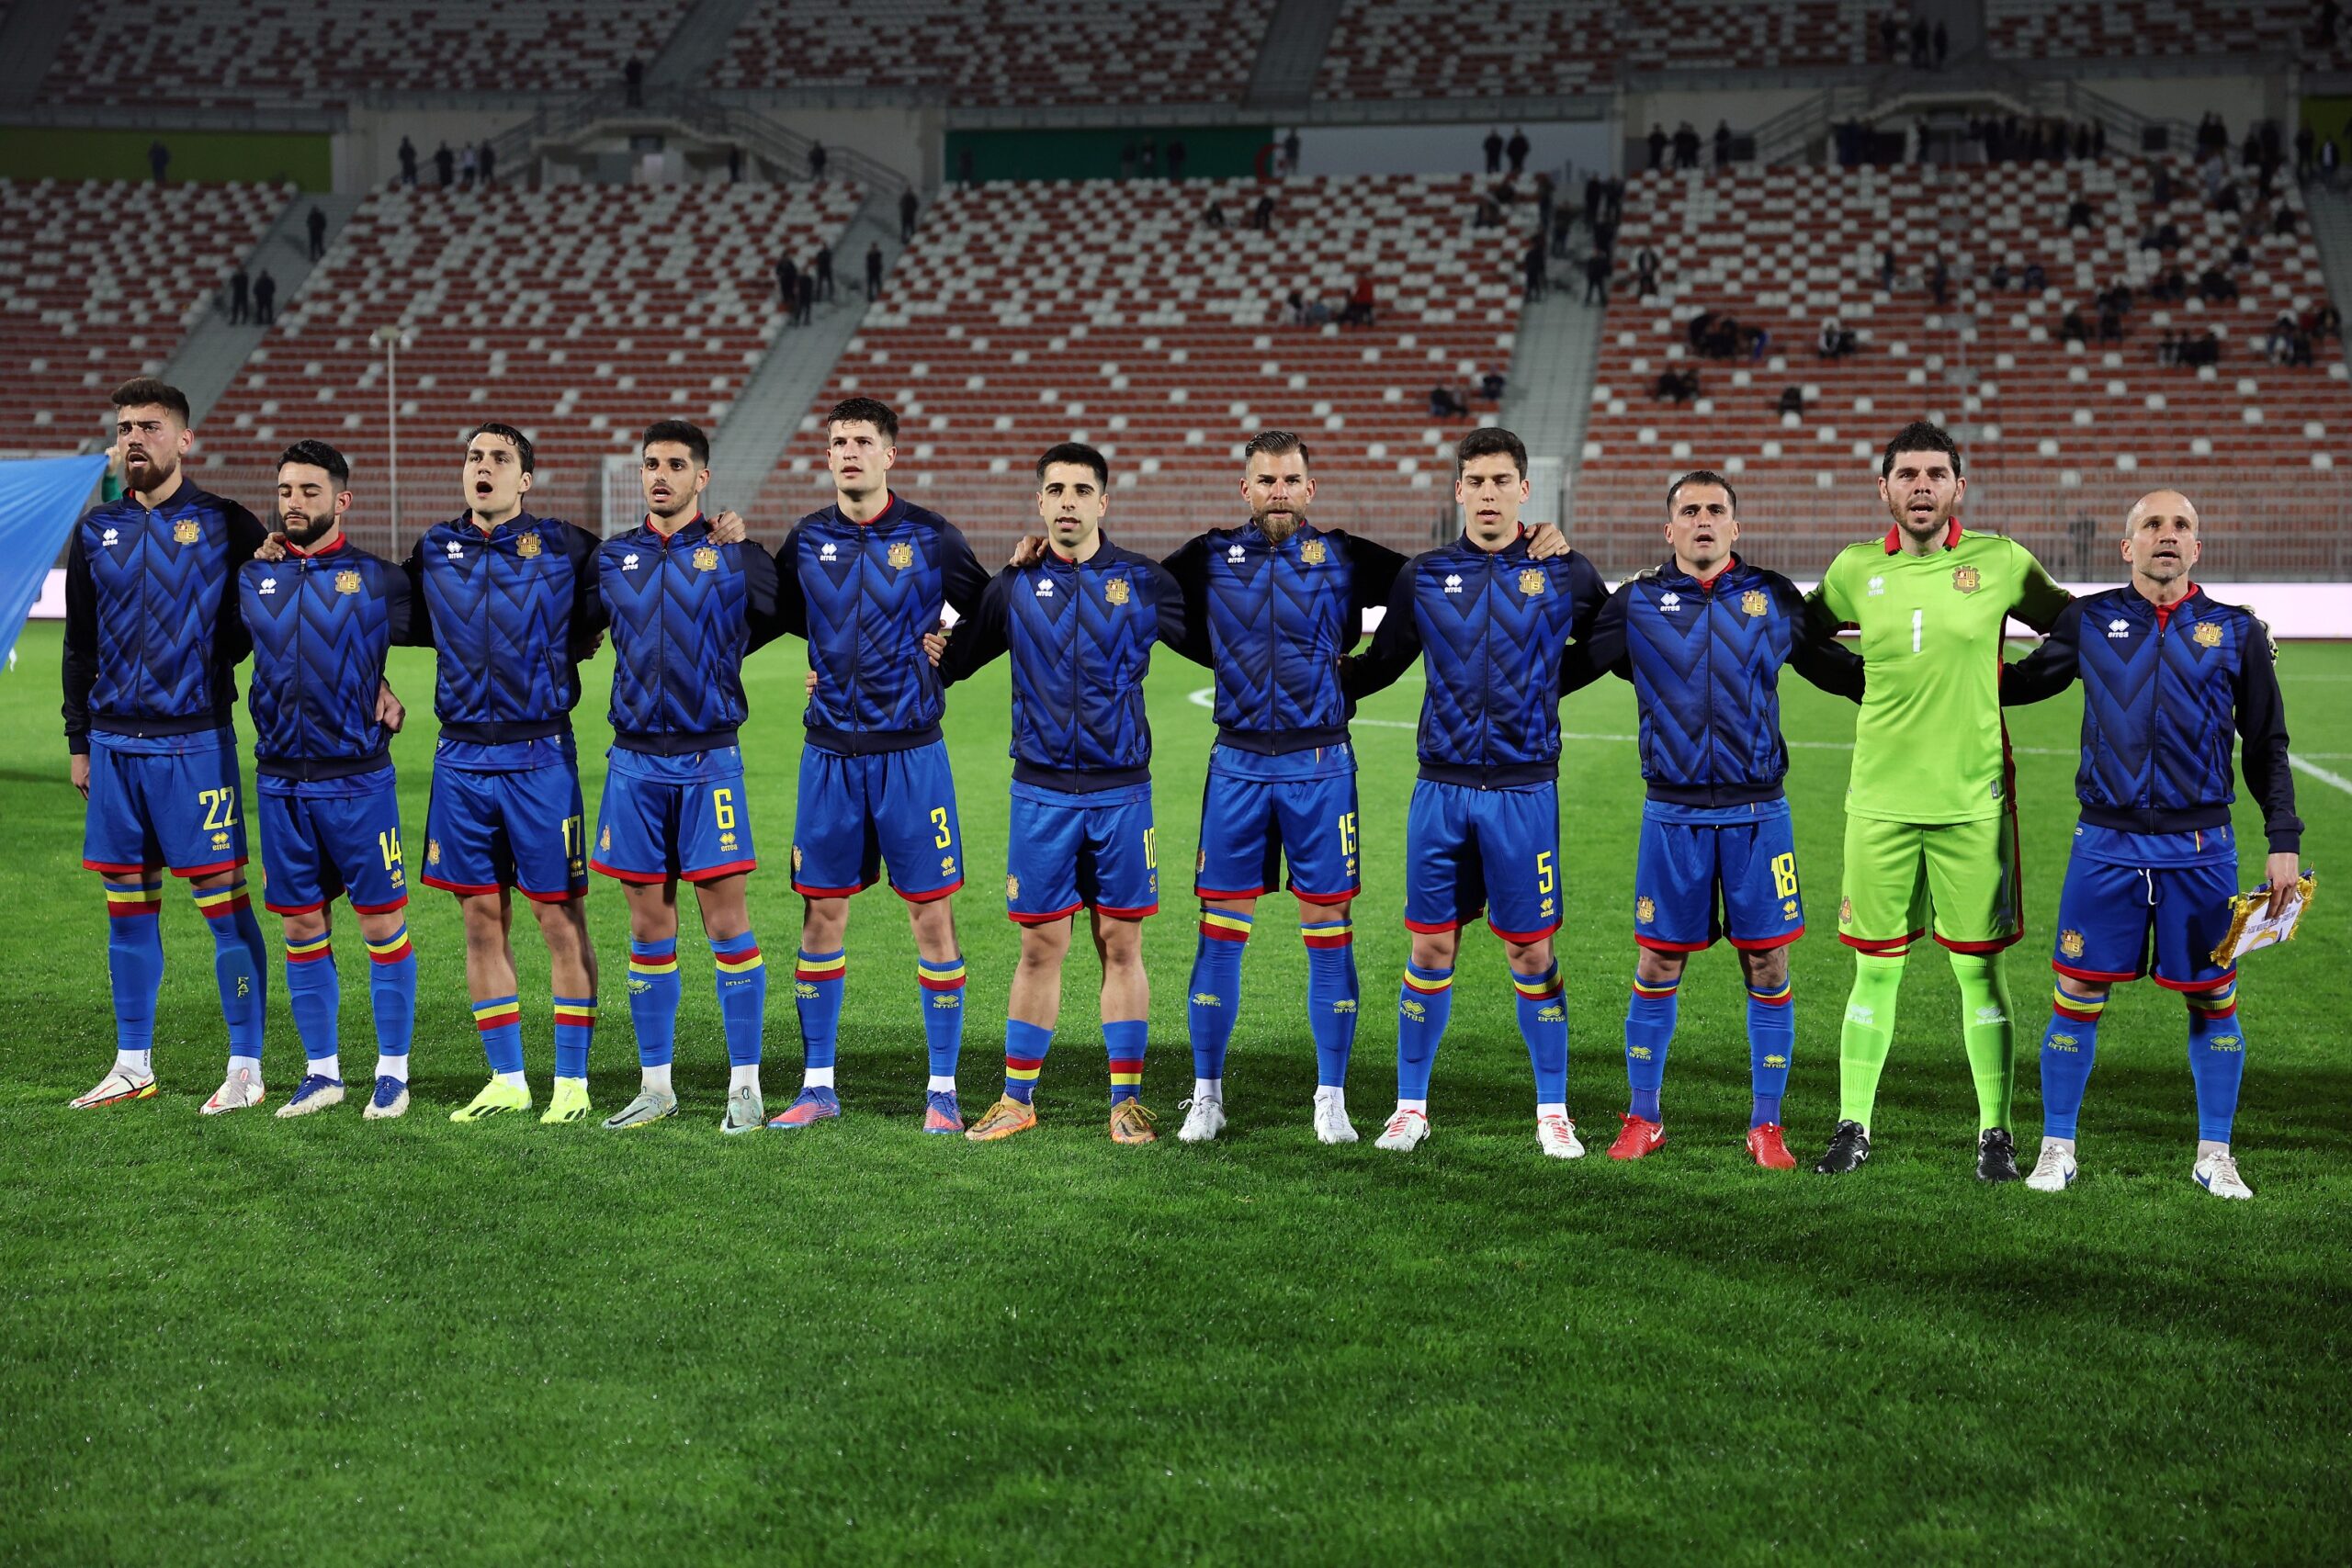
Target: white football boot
{"x": 1556, "y": 1136}
{"x": 120, "y": 1085}
{"x": 240, "y": 1090}
{"x": 1204, "y": 1119}
{"x": 2218, "y": 1174}
{"x": 1332, "y": 1123}
{"x": 2055, "y": 1170}
{"x": 1405, "y": 1130}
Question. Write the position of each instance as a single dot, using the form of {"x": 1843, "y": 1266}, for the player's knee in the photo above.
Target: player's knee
{"x": 213, "y": 881}
{"x": 1311, "y": 913}
{"x": 1245, "y": 907}
{"x": 1043, "y": 946}
{"x": 823, "y": 922}
{"x": 2090, "y": 992}
{"x": 1654, "y": 968}
{"x": 1767, "y": 970}
{"x": 934, "y": 927}
{"x": 1529, "y": 957}
{"x": 309, "y": 926}
{"x": 1120, "y": 942}
{"x": 382, "y": 926}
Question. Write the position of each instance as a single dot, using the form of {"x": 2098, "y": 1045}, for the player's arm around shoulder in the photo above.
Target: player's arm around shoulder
{"x": 1396, "y": 643}
{"x": 2038, "y": 598}
{"x": 1171, "y": 626}
{"x": 1814, "y": 651}
{"x": 1605, "y": 649}
{"x": 980, "y": 637}
{"x": 2051, "y": 668}
{"x": 1188, "y": 569}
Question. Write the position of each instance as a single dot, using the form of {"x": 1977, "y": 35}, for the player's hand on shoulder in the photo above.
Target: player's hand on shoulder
{"x": 79, "y": 771}
{"x": 727, "y": 528}
{"x": 390, "y": 711}
{"x": 271, "y": 548}
{"x": 1029, "y": 552}
{"x": 1544, "y": 541}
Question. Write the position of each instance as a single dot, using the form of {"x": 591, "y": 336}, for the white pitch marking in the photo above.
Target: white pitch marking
{"x": 2315, "y": 770}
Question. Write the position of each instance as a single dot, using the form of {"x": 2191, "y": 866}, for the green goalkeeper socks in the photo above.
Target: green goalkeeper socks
{"x": 1868, "y": 1032}
{"x": 1991, "y": 1038}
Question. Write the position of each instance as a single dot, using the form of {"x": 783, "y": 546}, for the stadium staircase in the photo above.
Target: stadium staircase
{"x": 1548, "y": 398}
{"x": 1297, "y": 37}
{"x": 2331, "y": 213}
{"x": 687, "y": 60}
{"x": 30, "y": 37}
{"x": 209, "y": 359}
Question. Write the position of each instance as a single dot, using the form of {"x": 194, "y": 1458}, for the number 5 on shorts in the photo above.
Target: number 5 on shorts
{"x": 1544, "y": 878}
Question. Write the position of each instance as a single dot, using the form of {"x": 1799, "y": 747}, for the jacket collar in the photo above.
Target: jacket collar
{"x": 296, "y": 552}
{"x": 1673, "y": 573}
{"x": 1894, "y": 537}
{"x": 695, "y": 530}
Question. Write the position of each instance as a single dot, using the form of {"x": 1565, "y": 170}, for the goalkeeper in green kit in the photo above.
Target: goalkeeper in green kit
{"x": 1930, "y": 824}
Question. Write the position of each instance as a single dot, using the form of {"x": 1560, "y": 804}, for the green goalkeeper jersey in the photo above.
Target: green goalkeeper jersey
{"x": 1930, "y": 747}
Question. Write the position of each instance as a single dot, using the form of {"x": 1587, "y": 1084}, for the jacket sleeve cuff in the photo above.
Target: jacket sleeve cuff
{"x": 2287, "y": 841}
{"x": 77, "y": 745}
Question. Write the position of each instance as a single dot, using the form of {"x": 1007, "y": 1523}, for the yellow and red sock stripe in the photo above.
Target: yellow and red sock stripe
{"x": 741, "y": 963}
{"x": 129, "y": 900}
{"x": 1428, "y": 982}
{"x": 497, "y": 1013}
{"x": 392, "y": 949}
{"x": 947, "y": 976}
{"x": 821, "y": 967}
{"x": 1327, "y": 933}
{"x": 1222, "y": 925}
{"x": 574, "y": 1014}
{"x": 1655, "y": 992}
{"x": 661, "y": 960}
{"x": 226, "y": 900}
{"x": 321, "y": 946}
{"x": 2219, "y": 1002}
{"x": 1126, "y": 1073}
{"x": 1024, "y": 1069}
{"x": 1779, "y": 999}
{"x": 2082, "y": 1009}
{"x": 1538, "y": 988}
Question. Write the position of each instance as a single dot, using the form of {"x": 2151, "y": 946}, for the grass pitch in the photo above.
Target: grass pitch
{"x": 255, "y": 1341}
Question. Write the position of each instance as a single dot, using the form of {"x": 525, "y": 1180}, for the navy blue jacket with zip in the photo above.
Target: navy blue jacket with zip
{"x": 684, "y": 613}
{"x": 2166, "y": 692}
{"x": 321, "y": 624}
{"x": 513, "y": 612}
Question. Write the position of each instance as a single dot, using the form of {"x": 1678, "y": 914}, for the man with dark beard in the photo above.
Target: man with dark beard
{"x": 321, "y": 619}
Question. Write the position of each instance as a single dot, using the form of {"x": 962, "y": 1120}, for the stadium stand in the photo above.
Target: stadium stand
{"x": 1786, "y": 249}
{"x": 1019, "y": 53}
{"x": 2045, "y": 30}
{"x": 1440, "y": 49}
{"x": 1029, "y": 313}
{"x": 104, "y": 280}
{"x": 580, "y": 313}
{"x": 316, "y": 54}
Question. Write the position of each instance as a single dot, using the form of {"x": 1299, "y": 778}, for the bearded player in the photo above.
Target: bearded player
{"x": 1930, "y": 817}
{"x": 2170, "y": 677}
{"x": 152, "y": 640}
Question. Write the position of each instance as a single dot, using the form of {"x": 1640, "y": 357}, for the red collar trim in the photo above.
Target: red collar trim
{"x": 2164, "y": 611}
{"x": 299, "y": 553}
{"x": 1894, "y": 537}
{"x": 666, "y": 540}
{"x": 1707, "y": 584}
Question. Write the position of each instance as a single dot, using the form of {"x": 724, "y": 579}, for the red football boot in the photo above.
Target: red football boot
{"x": 1639, "y": 1138}
{"x": 1765, "y": 1147}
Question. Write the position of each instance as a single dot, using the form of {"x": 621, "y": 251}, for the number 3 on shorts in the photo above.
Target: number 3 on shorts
{"x": 939, "y": 821}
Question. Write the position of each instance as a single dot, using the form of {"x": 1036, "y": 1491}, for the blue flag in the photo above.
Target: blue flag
{"x": 40, "y": 498}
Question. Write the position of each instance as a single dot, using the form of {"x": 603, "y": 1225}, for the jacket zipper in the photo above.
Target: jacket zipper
{"x": 2156, "y": 709}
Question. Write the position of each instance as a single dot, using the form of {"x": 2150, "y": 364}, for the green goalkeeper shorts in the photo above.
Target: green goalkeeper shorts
{"x": 1901, "y": 875}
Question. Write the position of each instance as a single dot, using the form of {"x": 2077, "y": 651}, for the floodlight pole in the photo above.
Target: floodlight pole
{"x": 388, "y": 335}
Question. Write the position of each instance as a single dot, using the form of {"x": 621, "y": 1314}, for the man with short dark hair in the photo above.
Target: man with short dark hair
{"x": 1703, "y": 639}
{"x": 240, "y": 294}
{"x": 1493, "y": 146}
{"x": 265, "y": 298}
{"x": 907, "y": 207}
{"x": 1491, "y": 625}
{"x": 159, "y": 159}
{"x": 1931, "y": 806}
{"x": 873, "y": 270}
{"x": 329, "y": 804}
{"x": 825, "y": 270}
{"x": 1516, "y": 150}
{"x": 1079, "y": 626}
{"x": 685, "y": 611}
{"x": 317, "y": 225}
{"x": 862, "y": 580}
{"x": 152, "y": 640}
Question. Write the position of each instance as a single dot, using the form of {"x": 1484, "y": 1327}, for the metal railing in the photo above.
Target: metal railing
{"x": 787, "y": 149}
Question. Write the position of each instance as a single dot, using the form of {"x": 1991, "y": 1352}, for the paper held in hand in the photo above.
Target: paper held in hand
{"x": 2252, "y": 927}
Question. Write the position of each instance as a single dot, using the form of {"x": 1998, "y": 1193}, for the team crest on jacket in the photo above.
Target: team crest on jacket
{"x": 346, "y": 582}
{"x": 1645, "y": 909}
{"x": 2071, "y": 944}
{"x": 1531, "y": 582}
{"x": 1115, "y": 590}
{"x": 902, "y": 556}
{"x": 528, "y": 545}
{"x": 186, "y": 531}
{"x": 2207, "y": 634}
{"x": 1312, "y": 552}
{"x": 1752, "y": 602}
{"x": 1966, "y": 579}
{"x": 705, "y": 560}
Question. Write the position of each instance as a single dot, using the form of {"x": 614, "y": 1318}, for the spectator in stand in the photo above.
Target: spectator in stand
{"x": 1516, "y": 150}
{"x": 817, "y": 160}
{"x": 1595, "y": 193}
{"x": 317, "y": 224}
{"x": 964, "y": 165}
{"x": 2298, "y": 355}
{"x": 787, "y": 286}
{"x": 1360, "y": 310}
{"x": 2327, "y": 322}
{"x": 2283, "y": 223}
{"x": 1596, "y": 267}
{"x": 1290, "y": 152}
{"x": 1792, "y": 404}
{"x": 873, "y": 270}
{"x": 1686, "y": 146}
{"x": 2073, "y": 329}
{"x": 1836, "y": 339}
{"x": 1920, "y": 42}
{"x": 1890, "y": 37}
{"x": 1940, "y": 283}
{"x": 1645, "y": 273}
{"x": 1755, "y": 341}
{"x": 1490, "y": 386}
{"x": 1615, "y": 189}
{"x": 408, "y": 161}
{"x": 240, "y": 287}
{"x": 1545, "y": 203}
{"x": 1942, "y": 46}
{"x": 465, "y": 168}
{"x": 1886, "y": 268}
{"x": 1213, "y": 217}
{"x": 488, "y": 164}
{"x": 445, "y": 164}
{"x": 2036, "y": 280}
{"x": 1176, "y": 157}
{"x": 2000, "y": 275}
{"x": 1563, "y": 218}
{"x": 2078, "y": 214}
{"x": 265, "y": 298}
{"x": 907, "y": 207}
{"x": 1493, "y": 148}
{"x": 805, "y": 299}
{"x": 1149, "y": 167}
{"x": 2110, "y": 322}
{"x": 1539, "y": 278}
{"x": 2306, "y": 152}
{"x": 2331, "y": 158}
{"x": 1262, "y": 216}
{"x": 1676, "y": 386}
{"x": 1445, "y": 403}
{"x": 825, "y": 271}
{"x": 1722, "y": 144}
{"x": 159, "y": 159}
{"x": 2216, "y": 287}
{"x": 1658, "y": 146}
{"x": 1696, "y": 331}
{"x": 2167, "y": 351}
{"x": 633, "y": 81}
{"x": 2282, "y": 337}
